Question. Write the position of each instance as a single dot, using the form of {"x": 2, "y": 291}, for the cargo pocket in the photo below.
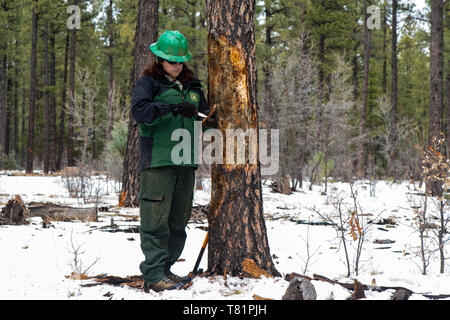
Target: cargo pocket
{"x": 153, "y": 212}
{"x": 145, "y": 129}
{"x": 153, "y": 200}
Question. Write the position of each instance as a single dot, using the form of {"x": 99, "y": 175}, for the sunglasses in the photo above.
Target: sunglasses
{"x": 171, "y": 62}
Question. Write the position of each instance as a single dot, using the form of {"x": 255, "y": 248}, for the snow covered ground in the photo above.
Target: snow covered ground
{"x": 35, "y": 262}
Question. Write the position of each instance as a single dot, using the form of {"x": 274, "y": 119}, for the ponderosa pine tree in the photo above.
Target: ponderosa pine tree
{"x": 146, "y": 33}
{"x": 237, "y": 229}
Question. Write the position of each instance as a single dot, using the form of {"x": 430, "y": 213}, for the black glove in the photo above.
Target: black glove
{"x": 186, "y": 109}
{"x": 211, "y": 122}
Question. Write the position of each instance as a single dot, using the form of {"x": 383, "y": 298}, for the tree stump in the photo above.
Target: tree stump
{"x": 282, "y": 185}
{"x": 358, "y": 291}
{"x": 15, "y": 212}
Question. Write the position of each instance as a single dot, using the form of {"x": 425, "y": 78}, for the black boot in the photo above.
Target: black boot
{"x": 163, "y": 284}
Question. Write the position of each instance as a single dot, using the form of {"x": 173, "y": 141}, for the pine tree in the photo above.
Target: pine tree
{"x": 146, "y": 33}
{"x": 236, "y": 222}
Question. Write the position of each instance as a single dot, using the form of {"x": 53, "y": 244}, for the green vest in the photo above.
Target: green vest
{"x": 161, "y": 128}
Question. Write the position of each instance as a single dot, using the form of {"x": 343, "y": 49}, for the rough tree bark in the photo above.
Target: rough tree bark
{"x": 237, "y": 229}
{"x": 146, "y": 33}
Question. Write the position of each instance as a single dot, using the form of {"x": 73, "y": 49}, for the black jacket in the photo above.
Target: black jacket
{"x": 150, "y": 107}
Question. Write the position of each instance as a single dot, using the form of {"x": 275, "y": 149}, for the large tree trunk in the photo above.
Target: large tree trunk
{"x": 362, "y": 157}
{"x": 437, "y": 80}
{"x": 146, "y": 33}
{"x": 394, "y": 95}
{"x": 33, "y": 80}
{"x": 237, "y": 229}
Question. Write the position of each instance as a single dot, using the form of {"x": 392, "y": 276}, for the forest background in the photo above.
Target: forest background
{"x": 348, "y": 83}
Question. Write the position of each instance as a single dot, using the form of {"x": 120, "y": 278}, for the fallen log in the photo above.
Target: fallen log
{"x": 130, "y": 281}
{"x": 383, "y": 241}
{"x": 311, "y": 223}
{"x": 16, "y": 212}
{"x": 54, "y": 212}
{"x": 351, "y": 286}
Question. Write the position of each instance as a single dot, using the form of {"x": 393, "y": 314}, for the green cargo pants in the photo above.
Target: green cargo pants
{"x": 165, "y": 208}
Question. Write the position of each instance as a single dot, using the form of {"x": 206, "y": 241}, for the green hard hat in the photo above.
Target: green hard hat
{"x": 172, "y": 46}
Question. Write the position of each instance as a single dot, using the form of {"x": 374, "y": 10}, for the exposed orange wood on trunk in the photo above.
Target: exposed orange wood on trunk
{"x": 237, "y": 229}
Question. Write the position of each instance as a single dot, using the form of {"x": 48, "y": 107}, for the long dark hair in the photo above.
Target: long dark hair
{"x": 156, "y": 70}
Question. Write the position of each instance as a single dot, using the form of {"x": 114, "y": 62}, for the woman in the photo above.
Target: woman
{"x": 166, "y": 98}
